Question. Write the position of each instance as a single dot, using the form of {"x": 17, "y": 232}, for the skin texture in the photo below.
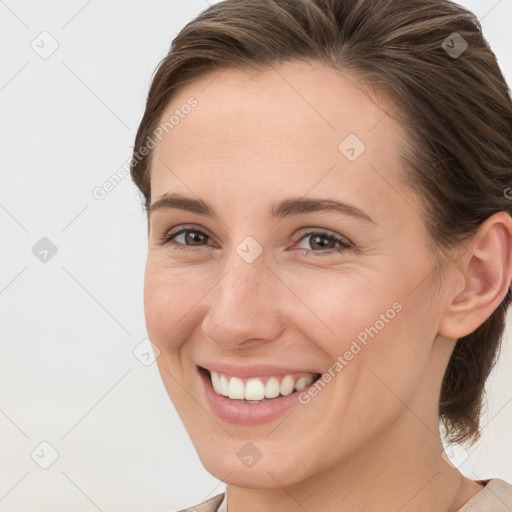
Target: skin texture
{"x": 370, "y": 439}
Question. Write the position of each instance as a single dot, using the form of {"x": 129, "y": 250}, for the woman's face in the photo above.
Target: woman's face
{"x": 266, "y": 283}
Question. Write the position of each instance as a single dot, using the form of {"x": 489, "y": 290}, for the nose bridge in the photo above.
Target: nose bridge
{"x": 244, "y": 302}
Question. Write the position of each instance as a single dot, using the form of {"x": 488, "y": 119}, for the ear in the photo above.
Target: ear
{"x": 482, "y": 278}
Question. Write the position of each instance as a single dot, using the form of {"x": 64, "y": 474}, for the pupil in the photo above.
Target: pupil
{"x": 193, "y": 237}
{"x": 320, "y": 237}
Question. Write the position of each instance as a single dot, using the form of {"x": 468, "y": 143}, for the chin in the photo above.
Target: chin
{"x": 275, "y": 472}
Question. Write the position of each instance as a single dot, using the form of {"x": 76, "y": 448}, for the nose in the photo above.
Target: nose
{"x": 244, "y": 308}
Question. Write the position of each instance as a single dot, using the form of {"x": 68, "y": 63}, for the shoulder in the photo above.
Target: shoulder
{"x": 211, "y": 505}
{"x": 496, "y": 496}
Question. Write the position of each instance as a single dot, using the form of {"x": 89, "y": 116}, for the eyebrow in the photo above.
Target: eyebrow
{"x": 285, "y": 208}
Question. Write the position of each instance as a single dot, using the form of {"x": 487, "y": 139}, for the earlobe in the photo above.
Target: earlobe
{"x": 486, "y": 271}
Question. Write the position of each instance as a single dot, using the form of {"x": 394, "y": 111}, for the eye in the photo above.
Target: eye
{"x": 186, "y": 237}
{"x": 324, "y": 240}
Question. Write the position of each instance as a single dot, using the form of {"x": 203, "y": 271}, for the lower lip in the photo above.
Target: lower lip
{"x": 247, "y": 414}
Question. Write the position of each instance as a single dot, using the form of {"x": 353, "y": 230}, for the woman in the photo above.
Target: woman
{"x": 330, "y": 253}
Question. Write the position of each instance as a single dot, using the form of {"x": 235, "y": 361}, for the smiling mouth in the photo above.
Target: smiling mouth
{"x": 256, "y": 390}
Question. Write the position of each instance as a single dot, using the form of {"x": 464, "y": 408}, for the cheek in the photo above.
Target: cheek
{"x": 339, "y": 309}
{"x": 169, "y": 299}
{"x": 171, "y": 308}
{"x": 157, "y": 301}
{"x": 370, "y": 330}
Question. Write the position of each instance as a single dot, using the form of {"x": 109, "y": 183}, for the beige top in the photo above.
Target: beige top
{"x": 496, "y": 496}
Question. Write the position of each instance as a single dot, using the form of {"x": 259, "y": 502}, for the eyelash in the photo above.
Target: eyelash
{"x": 344, "y": 244}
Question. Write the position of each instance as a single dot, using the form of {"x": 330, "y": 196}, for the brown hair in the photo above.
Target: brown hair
{"x": 456, "y": 108}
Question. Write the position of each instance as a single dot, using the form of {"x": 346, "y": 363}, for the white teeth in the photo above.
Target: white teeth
{"x": 254, "y": 390}
{"x": 223, "y": 386}
{"x": 287, "y": 385}
{"x": 272, "y": 388}
{"x": 303, "y": 382}
{"x": 215, "y": 381}
{"x": 236, "y": 388}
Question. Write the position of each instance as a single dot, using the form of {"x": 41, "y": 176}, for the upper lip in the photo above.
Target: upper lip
{"x": 253, "y": 370}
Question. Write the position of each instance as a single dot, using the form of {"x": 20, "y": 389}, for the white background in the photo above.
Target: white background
{"x": 69, "y": 326}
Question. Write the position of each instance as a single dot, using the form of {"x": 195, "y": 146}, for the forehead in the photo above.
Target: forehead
{"x": 302, "y": 126}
